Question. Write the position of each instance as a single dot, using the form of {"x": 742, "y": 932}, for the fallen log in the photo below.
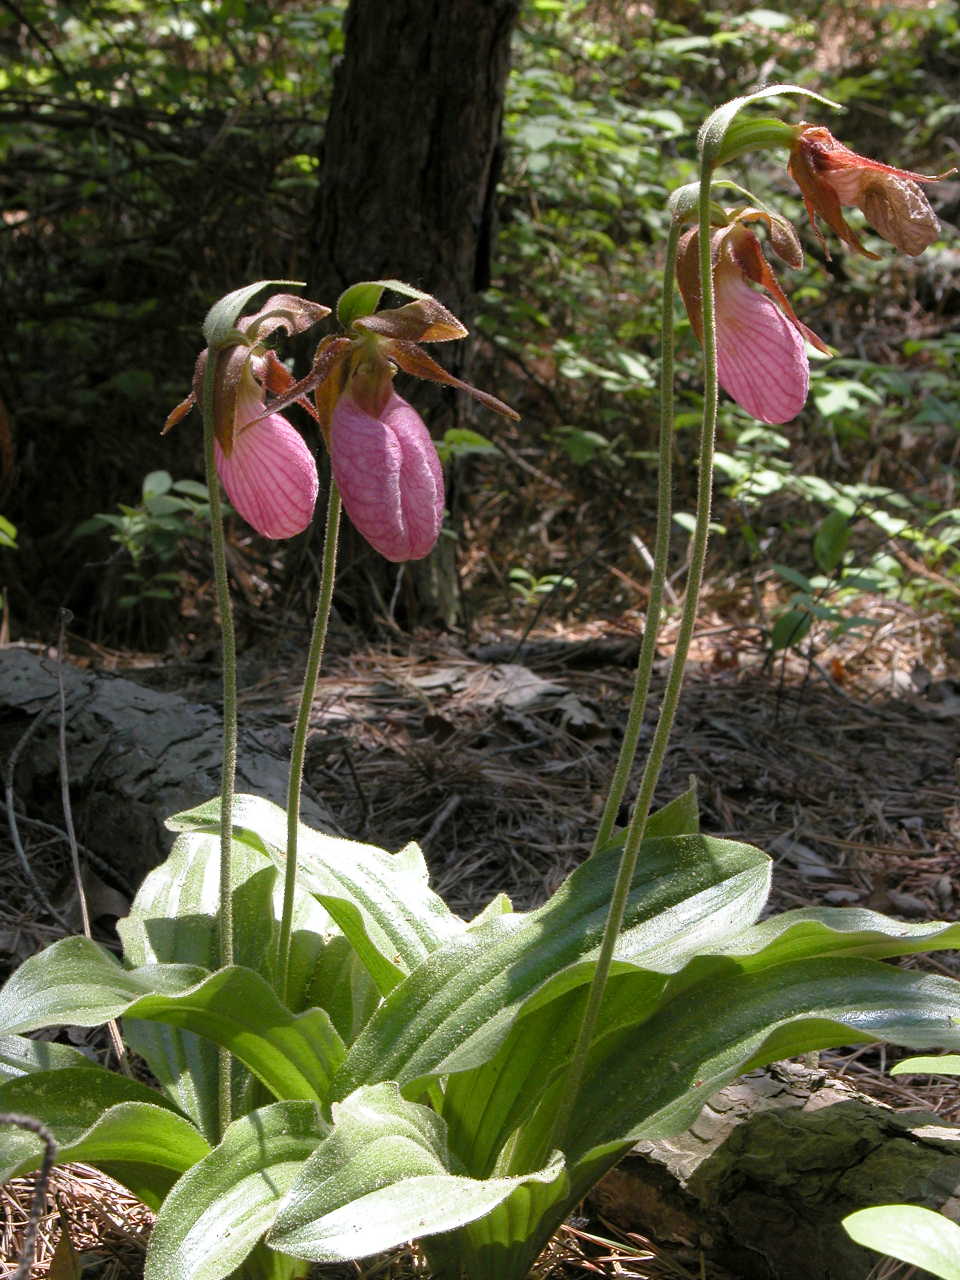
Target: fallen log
{"x": 135, "y": 756}
{"x": 759, "y": 1184}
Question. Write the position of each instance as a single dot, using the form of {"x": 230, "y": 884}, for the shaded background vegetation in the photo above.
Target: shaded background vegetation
{"x": 156, "y": 155}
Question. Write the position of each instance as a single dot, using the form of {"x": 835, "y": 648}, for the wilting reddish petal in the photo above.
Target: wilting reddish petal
{"x": 389, "y": 477}
{"x": 761, "y": 359}
{"x": 270, "y": 476}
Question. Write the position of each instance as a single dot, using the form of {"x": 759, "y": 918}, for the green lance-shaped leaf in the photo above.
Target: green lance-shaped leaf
{"x": 217, "y": 1212}
{"x": 294, "y": 1055}
{"x": 101, "y": 1118}
{"x": 381, "y": 901}
{"x": 174, "y": 917}
{"x": 382, "y": 1176}
{"x": 20, "y": 1056}
{"x": 76, "y": 982}
{"x": 835, "y": 931}
{"x": 911, "y": 1234}
{"x": 651, "y": 1081}
{"x": 482, "y": 1107}
{"x": 456, "y": 1009}
{"x": 505, "y": 1243}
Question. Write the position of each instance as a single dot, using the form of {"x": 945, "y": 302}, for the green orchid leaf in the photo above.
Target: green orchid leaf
{"x": 455, "y": 1010}
{"x": 505, "y": 1243}
{"x": 76, "y": 982}
{"x": 381, "y": 902}
{"x": 101, "y": 1118}
{"x": 379, "y": 1178}
{"x": 341, "y": 985}
{"x": 20, "y": 1056}
{"x": 218, "y": 1211}
{"x": 731, "y": 1021}
{"x": 483, "y": 1107}
{"x": 679, "y": 817}
{"x": 911, "y": 1234}
{"x": 221, "y": 320}
{"x": 174, "y": 917}
{"x": 294, "y": 1055}
{"x": 824, "y": 931}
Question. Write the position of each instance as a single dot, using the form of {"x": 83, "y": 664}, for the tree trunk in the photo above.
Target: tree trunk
{"x": 408, "y": 175}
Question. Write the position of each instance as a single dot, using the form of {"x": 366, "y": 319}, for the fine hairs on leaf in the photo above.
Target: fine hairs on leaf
{"x": 339, "y": 1063}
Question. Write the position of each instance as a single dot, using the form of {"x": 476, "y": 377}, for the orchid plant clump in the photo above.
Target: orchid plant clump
{"x": 340, "y": 1063}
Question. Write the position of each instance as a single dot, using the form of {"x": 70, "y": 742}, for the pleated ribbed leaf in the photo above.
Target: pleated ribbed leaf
{"x": 381, "y": 1177}
{"x": 457, "y": 1008}
{"x": 219, "y": 1210}
{"x": 174, "y": 917}
{"x": 381, "y": 901}
{"x": 101, "y": 1118}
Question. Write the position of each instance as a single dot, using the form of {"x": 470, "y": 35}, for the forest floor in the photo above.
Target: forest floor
{"x": 494, "y": 756}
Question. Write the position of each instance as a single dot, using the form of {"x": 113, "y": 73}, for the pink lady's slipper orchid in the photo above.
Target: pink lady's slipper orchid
{"x": 382, "y": 457}
{"x": 264, "y": 464}
{"x": 389, "y": 476}
{"x": 761, "y": 355}
{"x": 830, "y": 175}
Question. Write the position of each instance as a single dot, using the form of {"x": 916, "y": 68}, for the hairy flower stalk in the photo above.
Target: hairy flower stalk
{"x": 268, "y": 477}
{"x": 661, "y": 548}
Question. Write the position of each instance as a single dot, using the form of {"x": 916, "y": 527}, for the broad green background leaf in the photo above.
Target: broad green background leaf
{"x": 76, "y": 982}
{"x": 911, "y": 1234}
{"x": 381, "y": 1177}
{"x": 946, "y": 1064}
{"x": 217, "y": 1212}
{"x": 101, "y": 1118}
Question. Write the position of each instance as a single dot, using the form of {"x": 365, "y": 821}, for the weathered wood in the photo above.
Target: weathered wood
{"x": 761, "y": 1181}
{"x": 135, "y": 756}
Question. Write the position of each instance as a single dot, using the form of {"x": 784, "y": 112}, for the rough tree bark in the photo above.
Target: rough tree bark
{"x": 408, "y": 174}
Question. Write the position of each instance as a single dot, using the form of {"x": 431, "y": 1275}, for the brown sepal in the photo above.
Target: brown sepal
{"x": 745, "y": 250}
{"x": 284, "y": 311}
{"x": 820, "y": 198}
{"x": 183, "y": 408}
{"x": 329, "y": 353}
{"x": 409, "y": 357}
{"x": 425, "y": 320}
{"x": 784, "y": 240}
